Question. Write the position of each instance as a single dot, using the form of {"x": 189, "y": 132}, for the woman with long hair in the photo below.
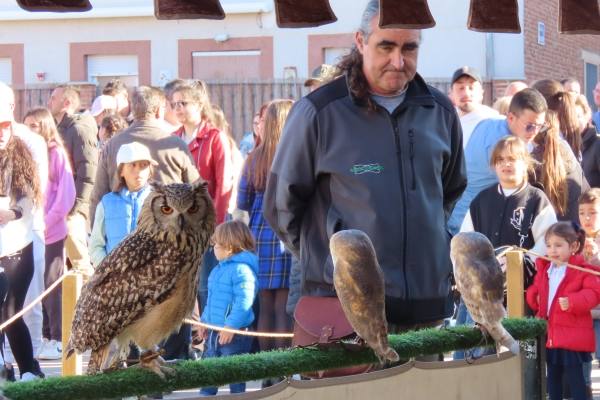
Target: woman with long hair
{"x": 20, "y": 193}
{"x": 274, "y": 261}
{"x": 557, "y": 170}
{"x": 59, "y": 198}
{"x": 563, "y": 103}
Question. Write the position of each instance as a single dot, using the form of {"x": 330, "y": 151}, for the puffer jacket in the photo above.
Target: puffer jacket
{"x": 232, "y": 287}
{"x": 571, "y": 329}
{"x": 341, "y": 165}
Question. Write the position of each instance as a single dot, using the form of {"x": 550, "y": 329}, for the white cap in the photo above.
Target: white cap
{"x": 102, "y": 103}
{"x": 134, "y": 151}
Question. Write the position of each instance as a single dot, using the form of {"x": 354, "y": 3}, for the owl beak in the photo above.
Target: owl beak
{"x": 180, "y": 222}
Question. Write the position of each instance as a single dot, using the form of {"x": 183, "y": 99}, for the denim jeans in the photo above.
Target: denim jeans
{"x": 238, "y": 345}
{"x": 464, "y": 318}
{"x": 209, "y": 262}
{"x": 597, "y": 334}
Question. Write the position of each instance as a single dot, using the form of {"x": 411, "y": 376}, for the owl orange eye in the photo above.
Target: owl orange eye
{"x": 166, "y": 210}
{"x": 193, "y": 209}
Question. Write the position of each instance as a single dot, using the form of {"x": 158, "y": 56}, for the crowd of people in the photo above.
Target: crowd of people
{"x": 372, "y": 147}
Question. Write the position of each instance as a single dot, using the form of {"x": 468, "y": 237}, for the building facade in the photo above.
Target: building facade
{"x": 124, "y": 40}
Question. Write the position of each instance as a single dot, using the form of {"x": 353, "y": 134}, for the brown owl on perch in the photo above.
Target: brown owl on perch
{"x": 480, "y": 282}
{"x": 145, "y": 287}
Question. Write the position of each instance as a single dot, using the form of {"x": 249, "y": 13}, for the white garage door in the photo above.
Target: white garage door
{"x": 103, "y": 68}
{"x": 6, "y": 70}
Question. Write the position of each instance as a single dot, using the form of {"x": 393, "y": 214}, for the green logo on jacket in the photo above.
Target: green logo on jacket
{"x": 359, "y": 169}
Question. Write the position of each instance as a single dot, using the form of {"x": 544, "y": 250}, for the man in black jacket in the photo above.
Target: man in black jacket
{"x": 377, "y": 150}
{"x": 79, "y": 134}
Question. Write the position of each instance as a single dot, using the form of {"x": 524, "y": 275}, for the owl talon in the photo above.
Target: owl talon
{"x": 155, "y": 363}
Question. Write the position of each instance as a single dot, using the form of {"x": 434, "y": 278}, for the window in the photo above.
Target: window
{"x": 332, "y": 55}
{"x": 103, "y": 68}
{"x": 6, "y": 70}
{"x": 591, "y": 79}
{"x": 226, "y": 65}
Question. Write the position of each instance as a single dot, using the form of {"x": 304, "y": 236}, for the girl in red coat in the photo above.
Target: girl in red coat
{"x": 564, "y": 296}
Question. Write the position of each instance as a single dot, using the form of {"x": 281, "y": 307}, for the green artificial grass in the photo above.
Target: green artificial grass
{"x": 220, "y": 371}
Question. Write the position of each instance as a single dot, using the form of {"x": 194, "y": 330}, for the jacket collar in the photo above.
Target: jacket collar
{"x": 417, "y": 93}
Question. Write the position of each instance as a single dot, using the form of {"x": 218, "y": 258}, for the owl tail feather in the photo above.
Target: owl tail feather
{"x": 503, "y": 338}
{"x": 389, "y": 355}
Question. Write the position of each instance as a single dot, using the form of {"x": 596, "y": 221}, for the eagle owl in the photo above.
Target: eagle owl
{"x": 480, "y": 282}
{"x": 145, "y": 287}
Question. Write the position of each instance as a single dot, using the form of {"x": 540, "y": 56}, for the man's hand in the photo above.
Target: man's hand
{"x": 564, "y": 303}
{"x": 202, "y": 332}
{"x": 225, "y": 337}
{"x": 6, "y": 216}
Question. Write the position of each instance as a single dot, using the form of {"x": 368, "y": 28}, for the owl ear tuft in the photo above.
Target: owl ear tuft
{"x": 199, "y": 184}
{"x": 157, "y": 186}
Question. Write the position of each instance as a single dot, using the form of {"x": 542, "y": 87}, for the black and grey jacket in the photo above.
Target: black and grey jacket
{"x": 590, "y": 149}
{"x": 519, "y": 219}
{"x": 394, "y": 176}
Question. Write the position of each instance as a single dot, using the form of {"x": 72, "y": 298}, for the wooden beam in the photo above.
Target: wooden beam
{"x": 303, "y": 14}
{"x": 405, "y": 14}
{"x": 188, "y": 9}
{"x": 71, "y": 289}
{"x": 494, "y": 16}
{"x": 515, "y": 284}
{"x": 55, "y": 5}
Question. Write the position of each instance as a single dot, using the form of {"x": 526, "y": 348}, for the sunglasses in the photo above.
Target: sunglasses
{"x": 181, "y": 103}
{"x": 535, "y": 127}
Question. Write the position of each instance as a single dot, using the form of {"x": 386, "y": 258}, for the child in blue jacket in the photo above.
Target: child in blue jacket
{"x": 232, "y": 288}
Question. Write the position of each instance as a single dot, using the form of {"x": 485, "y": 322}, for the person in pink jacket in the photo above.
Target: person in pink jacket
{"x": 59, "y": 199}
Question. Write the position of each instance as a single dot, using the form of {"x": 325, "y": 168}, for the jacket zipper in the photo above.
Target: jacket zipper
{"x": 411, "y": 152}
{"x": 394, "y": 123}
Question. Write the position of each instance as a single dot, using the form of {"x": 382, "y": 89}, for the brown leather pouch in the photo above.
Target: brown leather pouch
{"x": 319, "y": 321}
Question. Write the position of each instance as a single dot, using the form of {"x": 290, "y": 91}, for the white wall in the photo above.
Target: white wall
{"x": 446, "y": 47}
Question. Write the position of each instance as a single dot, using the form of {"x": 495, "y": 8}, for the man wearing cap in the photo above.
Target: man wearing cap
{"x": 320, "y": 76}
{"x": 103, "y": 106}
{"x": 79, "y": 133}
{"x": 466, "y": 93}
{"x": 377, "y": 150}
{"x": 174, "y": 160}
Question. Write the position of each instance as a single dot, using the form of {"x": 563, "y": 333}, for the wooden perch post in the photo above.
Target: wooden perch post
{"x": 71, "y": 288}
{"x": 515, "y": 284}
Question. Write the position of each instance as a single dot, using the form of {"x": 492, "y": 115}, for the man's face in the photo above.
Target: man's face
{"x": 56, "y": 102}
{"x": 466, "y": 94}
{"x": 5, "y": 133}
{"x": 526, "y": 125}
{"x": 389, "y": 58}
{"x": 597, "y": 94}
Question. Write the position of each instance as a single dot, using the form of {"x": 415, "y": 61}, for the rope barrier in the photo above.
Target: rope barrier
{"x": 552, "y": 260}
{"x": 36, "y": 300}
{"x": 237, "y": 331}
